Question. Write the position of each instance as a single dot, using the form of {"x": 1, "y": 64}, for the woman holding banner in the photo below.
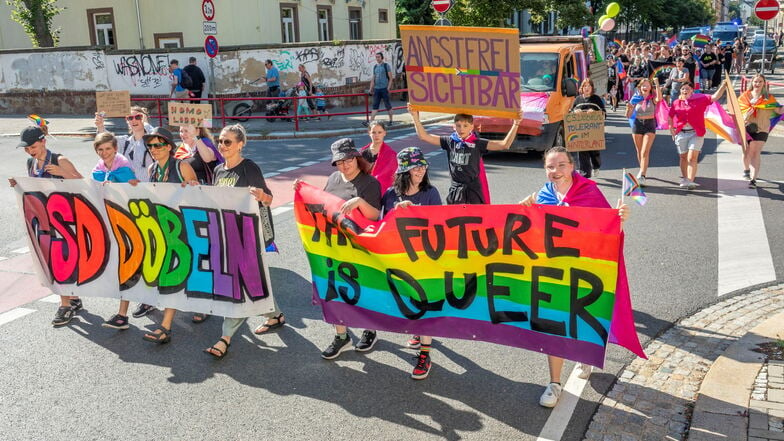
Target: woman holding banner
{"x": 641, "y": 114}
{"x": 238, "y": 171}
{"x": 588, "y": 101}
{"x": 565, "y": 187}
{"x": 198, "y": 150}
{"x": 759, "y": 109}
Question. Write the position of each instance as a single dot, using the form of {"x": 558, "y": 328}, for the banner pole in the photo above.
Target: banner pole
{"x": 623, "y": 184}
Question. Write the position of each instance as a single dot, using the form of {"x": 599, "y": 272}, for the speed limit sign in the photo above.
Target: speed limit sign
{"x": 208, "y": 9}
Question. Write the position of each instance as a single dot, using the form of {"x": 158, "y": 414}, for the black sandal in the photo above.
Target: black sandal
{"x": 199, "y": 317}
{"x": 222, "y": 353}
{"x": 158, "y": 338}
{"x": 280, "y": 322}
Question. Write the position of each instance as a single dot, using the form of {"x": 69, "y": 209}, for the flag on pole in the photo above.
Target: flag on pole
{"x": 672, "y": 41}
{"x": 700, "y": 40}
{"x": 632, "y": 189}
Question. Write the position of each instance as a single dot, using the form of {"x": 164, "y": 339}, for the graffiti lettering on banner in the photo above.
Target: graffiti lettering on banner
{"x": 114, "y": 104}
{"x": 463, "y": 70}
{"x": 540, "y": 278}
{"x": 584, "y": 131}
{"x": 194, "y": 249}
{"x": 199, "y": 115}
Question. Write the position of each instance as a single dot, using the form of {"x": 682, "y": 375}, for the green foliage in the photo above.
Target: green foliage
{"x": 36, "y": 17}
{"x": 754, "y": 21}
{"x": 414, "y": 12}
{"x": 733, "y": 10}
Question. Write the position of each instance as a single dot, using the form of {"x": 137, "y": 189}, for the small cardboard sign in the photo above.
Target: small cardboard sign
{"x": 114, "y": 103}
{"x": 584, "y": 131}
{"x": 463, "y": 69}
{"x": 180, "y": 114}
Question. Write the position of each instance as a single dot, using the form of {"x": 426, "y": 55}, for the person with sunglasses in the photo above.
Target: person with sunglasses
{"x": 165, "y": 169}
{"x": 44, "y": 163}
{"x": 198, "y": 150}
{"x": 238, "y": 171}
{"x": 131, "y": 146}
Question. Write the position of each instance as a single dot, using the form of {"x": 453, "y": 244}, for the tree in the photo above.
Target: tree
{"x": 414, "y": 12}
{"x": 733, "y": 10}
{"x": 36, "y": 16}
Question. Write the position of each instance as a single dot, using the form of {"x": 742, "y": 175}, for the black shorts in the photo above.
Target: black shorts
{"x": 644, "y": 126}
{"x": 755, "y": 135}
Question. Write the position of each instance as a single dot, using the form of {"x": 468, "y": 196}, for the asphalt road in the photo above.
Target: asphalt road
{"x": 88, "y": 382}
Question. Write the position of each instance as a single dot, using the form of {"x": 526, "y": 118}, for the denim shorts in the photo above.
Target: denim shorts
{"x": 381, "y": 94}
{"x": 644, "y": 126}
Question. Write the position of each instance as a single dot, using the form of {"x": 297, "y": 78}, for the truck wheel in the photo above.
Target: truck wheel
{"x": 559, "y": 138}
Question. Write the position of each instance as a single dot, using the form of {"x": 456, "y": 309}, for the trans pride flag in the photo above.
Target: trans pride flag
{"x": 547, "y": 279}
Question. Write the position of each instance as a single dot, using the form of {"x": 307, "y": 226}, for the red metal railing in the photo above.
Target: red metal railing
{"x": 261, "y": 109}
{"x": 745, "y": 80}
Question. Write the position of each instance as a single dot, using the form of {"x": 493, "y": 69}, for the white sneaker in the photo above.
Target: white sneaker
{"x": 596, "y": 173}
{"x": 584, "y": 370}
{"x": 684, "y": 183}
{"x": 692, "y": 185}
{"x": 641, "y": 180}
{"x": 550, "y": 396}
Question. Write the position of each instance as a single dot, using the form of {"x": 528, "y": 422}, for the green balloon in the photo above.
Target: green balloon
{"x": 602, "y": 19}
{"x": 613, "y": 9}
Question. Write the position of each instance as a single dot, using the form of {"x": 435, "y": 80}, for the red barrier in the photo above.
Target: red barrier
{"x": 745, "y": 80}
{"x": 257, "y": 105}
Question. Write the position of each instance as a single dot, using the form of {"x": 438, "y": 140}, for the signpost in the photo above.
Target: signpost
{"x": 442, "y": 6}
{"x": 766, "y": 10}
{"x": 210, "y": 29}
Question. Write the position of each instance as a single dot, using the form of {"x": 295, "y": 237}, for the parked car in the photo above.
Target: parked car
{"x": 754, "y": 55}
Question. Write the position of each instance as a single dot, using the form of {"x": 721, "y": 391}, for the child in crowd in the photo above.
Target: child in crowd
{"x": 321, "y": 103}
{"x": 302, "y": 104}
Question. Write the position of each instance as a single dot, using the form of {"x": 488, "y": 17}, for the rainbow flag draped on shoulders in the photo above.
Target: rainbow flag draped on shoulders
{"x": 768, "y": 102}
{"x": 542, "y": 278}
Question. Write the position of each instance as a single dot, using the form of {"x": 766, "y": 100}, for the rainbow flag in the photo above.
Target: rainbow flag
{"x": 767, "y": 103}
{"x": 700, "y": 40}
{"x": 619, "y": 69}
{"x": 618, "y": 42}
{"x": 37, "y": 120}
{"x": 672, "y": 41}
{"x": 476, "y": 272}
{"x": 632, "y": 189}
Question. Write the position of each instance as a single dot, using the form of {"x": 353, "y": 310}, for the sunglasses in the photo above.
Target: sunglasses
{"x": 137, "y": 117}
{"x": 226, "y": 142}
{"x": 159, "y": 145}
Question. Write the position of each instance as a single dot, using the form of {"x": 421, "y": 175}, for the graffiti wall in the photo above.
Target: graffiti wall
{"x": 147, "y": 73}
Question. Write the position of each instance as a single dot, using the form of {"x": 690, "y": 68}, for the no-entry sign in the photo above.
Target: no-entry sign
{"x": 766, "y": 9}
{"x": 441, "y": 6}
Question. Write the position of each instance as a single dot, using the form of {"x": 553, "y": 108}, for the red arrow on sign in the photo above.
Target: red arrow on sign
{"x": 441, "y": 6}
{"x": 766, "y": 9}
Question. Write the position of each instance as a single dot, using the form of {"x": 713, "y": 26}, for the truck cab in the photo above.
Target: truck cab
{"x": 550, "y": 70}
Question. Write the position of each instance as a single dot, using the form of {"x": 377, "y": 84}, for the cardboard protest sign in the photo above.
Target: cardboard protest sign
{"x": 584, "y": 131}
{"x": 546, "y": 278}
{"x": 193, "y": 249}
{"x": 114, "y": 103}
{"x": 180, "y": 114}
{"x": 733, "y": 108}
{"x": 463, "y": 69}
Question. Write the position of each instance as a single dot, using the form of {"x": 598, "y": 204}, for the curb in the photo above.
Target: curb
{"x": 721, "y": 409}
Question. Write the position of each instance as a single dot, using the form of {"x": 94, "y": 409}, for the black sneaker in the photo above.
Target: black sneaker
{"x": 63, "y": 316}
{"x": 142, "y": 310}
{"x": 367, "y": 341}
{"x": 116, "y": 322}
{"x": 76, "y": 304}
{"x": 337, "y": 346}
{"x": 422, "y": 368}
{"x": 753, "y": 183}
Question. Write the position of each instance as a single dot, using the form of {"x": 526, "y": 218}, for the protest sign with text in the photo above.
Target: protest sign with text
{"x": 584, "y": 131}
{"x": 463, "y": 69}
{"x": 543, "y": 278}
{"x": 199, "y": 115}
{"x": 189, "y": 248}
{"x": 114, "y": 104}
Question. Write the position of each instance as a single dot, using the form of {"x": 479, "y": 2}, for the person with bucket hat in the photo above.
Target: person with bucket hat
{"x": 411, "y": 186}
{"x": 44, "y": 163}
{"x": 353, "y": 183}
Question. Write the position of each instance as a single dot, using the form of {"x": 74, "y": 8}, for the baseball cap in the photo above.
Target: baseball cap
{"x": 343, "y": 148}
{"x": 409, "y": 158}
{"x": 31, "y": 135}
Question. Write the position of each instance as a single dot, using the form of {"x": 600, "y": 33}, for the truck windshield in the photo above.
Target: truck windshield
{"x": 538, "y": 72}
{"x": 724, "y": 36}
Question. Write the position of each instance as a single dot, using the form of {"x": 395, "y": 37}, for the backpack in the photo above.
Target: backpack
{"x": 186, "y": 82}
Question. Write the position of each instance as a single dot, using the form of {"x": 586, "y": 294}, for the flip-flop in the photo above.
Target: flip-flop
{"x": 222, "y": 353}
{"x": 280, "y": 322}
{"x": 201, "y": 317}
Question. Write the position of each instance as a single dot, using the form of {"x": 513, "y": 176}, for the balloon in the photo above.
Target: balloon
{"x": 602, "y": 19}
{"x": 608, "y": 25}
{"x": 613, "y": 9}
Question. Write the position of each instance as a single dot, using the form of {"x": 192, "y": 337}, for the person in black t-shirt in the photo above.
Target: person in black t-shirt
{"x": 197, "y": 76}
{"x": 709, "y": 61}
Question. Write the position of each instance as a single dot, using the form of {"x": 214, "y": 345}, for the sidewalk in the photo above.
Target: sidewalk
{"x": 82, "y": 125}
{"x": 705, "y": 378}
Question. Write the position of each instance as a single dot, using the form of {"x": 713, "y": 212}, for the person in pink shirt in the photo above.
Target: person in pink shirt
{"x": 380, "y": 155}
{"x": 687, "y": 127}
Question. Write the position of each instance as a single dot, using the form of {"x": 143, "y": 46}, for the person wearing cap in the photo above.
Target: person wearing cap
{"x": 353, "y": 183}
{"x": 166, "y": 168}
{"x": 412, "y": 187}
{"x": 238, "y": 171}
{"x": 44, "y": 163}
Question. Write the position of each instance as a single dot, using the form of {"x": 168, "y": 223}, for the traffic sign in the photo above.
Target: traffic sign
{"x": 210, "y": 27}
{"x": 208, "y": 9}
{"x": 211, "y": 46}
{"x": 766, "y": 9}
{"x": 441, "y": 6}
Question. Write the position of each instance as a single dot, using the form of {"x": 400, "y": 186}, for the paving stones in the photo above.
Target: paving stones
{"x": 654, "y": 398}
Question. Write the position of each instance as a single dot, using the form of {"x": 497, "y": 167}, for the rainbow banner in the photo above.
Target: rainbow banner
{"x": 547, "y": 279}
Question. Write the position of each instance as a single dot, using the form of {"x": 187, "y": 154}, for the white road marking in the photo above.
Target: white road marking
{"x": 14, "y": 314}
{"x": 23, "y": 250}
{"x": 269, "y": 175}
{"x": 54, "y": 298}
{"x": 556, "y": 423}
{"x": 431, "y": 154}
{"x": 308, "y": 164}
{"x": 744, "y": 252}
{"x": 287, "y": 169}
{"x": 282, "y": 209}
{"x": 326, "y": 158}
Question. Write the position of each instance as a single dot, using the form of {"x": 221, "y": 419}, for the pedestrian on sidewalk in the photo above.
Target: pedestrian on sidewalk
{"x": 380, "y": 155}
{"x": 238, "y": 171}
{"x": 566, "y": 187}
{"x": 307, "y": 83}
{"x": 46, "y": 164}
{"x": 302, "y": 102}
{"x": 272, "y": 79}
{"x": 321, "y": 102}
{"x": 380, "y": 83}
{"x": 197, "y": 78}
{"x": 687, "y": 127}
{"x": 758, "y": 107}
{"x": 412, "y": 187}
{"x": 641, "y": 112}
{"x": 178, "y": 85}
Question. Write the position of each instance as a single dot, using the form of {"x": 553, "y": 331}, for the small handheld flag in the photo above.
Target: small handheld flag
{"x": 632, "y": 189}
{"x": 700, "y": 40}
{"x": 672, "y": 41}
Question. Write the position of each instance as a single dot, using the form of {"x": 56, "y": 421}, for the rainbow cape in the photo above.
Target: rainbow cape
{"x": 744, "y": 100}
{"x": 519, "y": 276}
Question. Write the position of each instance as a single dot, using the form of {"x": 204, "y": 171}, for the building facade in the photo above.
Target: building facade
{"x": 148, "y": 24}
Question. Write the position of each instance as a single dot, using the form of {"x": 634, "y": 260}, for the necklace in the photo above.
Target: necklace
{"x": 39, "y": 172}
{"x": 162, "y": 174}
